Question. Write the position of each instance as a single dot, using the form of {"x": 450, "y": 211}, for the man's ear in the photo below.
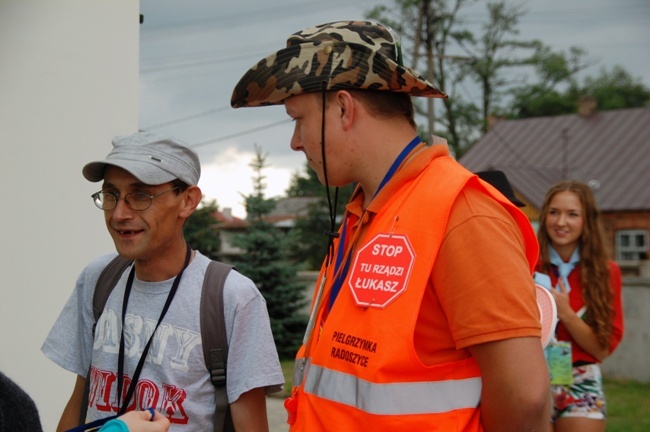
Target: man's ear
{"x": 193, "y": 196}
{"x": 347, "y": 108}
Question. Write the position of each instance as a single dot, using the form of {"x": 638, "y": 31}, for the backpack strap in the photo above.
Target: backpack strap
{"x": 215, "y": 341}
{"x": 213, "y": 331}
{"x": 107, "y": 280}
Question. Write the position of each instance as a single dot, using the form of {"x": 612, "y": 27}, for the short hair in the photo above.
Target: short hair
{"x": 181, "y": 185}
{"x": 387, "y": 104}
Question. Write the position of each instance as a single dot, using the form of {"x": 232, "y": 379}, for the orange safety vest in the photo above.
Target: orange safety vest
{"x": 360, "y": 370}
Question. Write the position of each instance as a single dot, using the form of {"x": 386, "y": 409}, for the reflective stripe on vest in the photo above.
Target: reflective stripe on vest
{"x": 390, "y": 388}
{"x": 393, "y": 398}
{"x": 299, "y": 367}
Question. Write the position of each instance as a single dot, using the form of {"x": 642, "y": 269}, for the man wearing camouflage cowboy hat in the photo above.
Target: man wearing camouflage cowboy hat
{"x": 424, "y": 316}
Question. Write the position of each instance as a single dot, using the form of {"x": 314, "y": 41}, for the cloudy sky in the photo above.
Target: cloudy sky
{"x": 193, "y": 52}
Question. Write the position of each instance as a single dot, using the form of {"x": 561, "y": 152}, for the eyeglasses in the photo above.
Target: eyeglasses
{"x": 137, "y": 200}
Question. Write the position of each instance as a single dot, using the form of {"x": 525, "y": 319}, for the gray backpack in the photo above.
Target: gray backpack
{"x": 213, "y": 330}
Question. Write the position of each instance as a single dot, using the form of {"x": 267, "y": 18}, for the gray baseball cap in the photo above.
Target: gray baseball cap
{"x": 153, "y": 159}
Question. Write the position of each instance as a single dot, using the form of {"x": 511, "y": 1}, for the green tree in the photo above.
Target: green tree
{"x": 500, "y": 63}
{"x": 201, "y": 231}
{"x": 497, "y": 52}
{"x": 612, "y": 89}
{"x": 616, "y": 89}
{"x": 265, "y": 262}
{"x": 554, "y": 72}
{"x": 307, "y": 240}
{"x": 431, "y": 30}
{"x": 305, "y": 184}
{"x": 426, "y": 29}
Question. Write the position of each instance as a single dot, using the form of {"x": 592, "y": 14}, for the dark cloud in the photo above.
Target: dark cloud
{"x": 194, "y": 52}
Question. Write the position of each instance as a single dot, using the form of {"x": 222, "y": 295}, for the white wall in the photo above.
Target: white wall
{"x": 68, "y": 84}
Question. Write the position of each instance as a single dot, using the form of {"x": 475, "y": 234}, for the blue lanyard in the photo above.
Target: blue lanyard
{"x": 396, "y": 164}
{"x": 338, "y": 281}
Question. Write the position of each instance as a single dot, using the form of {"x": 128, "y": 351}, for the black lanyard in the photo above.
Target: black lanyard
{"x": 95, "y": 425}
{"x": 120, "y": 361}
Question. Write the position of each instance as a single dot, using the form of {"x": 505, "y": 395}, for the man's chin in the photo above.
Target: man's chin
{"x": 126, "y": 252}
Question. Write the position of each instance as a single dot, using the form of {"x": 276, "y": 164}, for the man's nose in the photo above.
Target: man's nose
{"x": 122, "y": 210}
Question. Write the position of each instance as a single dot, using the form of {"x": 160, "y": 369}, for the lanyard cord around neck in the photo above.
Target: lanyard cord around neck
{"x": 120, "y": 361}
{"x": 339, "y": 275}
{"x": 331, "y": 231}
{"x": 340, "y": 255}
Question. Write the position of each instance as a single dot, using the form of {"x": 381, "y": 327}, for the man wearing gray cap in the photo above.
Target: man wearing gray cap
{"x": 425, "y": 316}
{"x": 145, "y": 350}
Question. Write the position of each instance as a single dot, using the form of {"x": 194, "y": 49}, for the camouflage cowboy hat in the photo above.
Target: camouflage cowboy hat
{"x": 339, "y": 55}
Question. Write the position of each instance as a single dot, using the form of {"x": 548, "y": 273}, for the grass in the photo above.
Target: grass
{"x": 287, "y": 371}
{"x": 628, "y": 405}
{"x": 628, "y": 402}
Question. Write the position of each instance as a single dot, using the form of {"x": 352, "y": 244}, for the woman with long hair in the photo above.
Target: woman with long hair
{"x": 587, "y": 291}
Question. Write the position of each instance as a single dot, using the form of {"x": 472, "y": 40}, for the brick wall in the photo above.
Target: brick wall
{"x": 629, "y": 220}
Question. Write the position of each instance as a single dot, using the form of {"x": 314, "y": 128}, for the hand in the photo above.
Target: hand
{"x": 583, "y": 335}
{"x": 561, "y": 297}
{"x": 141, "y": 421}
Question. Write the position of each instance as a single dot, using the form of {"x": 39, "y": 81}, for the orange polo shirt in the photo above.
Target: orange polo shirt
{"x": 481, "y": 289}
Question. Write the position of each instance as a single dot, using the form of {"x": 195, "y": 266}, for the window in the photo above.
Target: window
{"x": 631, "y": 245}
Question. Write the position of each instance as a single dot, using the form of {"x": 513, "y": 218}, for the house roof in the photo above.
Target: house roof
{"x": 292, "y": 206}
{"x": 608, "y": 150}
{"x": 226, "y": 220}
{"x": 288, "y": 209}
{"x": 283, "y": 215}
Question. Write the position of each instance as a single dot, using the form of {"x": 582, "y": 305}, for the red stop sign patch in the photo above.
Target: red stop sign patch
{"x": 381, "y": 270}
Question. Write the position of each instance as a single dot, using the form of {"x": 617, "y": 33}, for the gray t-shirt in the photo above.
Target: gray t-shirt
{"x": 174, "y": 379}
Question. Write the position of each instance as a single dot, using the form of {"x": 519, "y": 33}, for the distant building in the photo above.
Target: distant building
{"x": 283, "y": 216}
{"x": 229, "y": 226}
{"x": 608, "y": 150}
{"x": 288, "y": 209}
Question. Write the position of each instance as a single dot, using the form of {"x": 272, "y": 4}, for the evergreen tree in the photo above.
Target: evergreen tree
{"x": 265, "y": 262}
{"x": 307, "y": 239}
{"x": 201, "y": 230}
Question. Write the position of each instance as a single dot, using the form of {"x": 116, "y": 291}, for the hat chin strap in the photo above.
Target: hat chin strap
{"x": 331, "y": 232}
